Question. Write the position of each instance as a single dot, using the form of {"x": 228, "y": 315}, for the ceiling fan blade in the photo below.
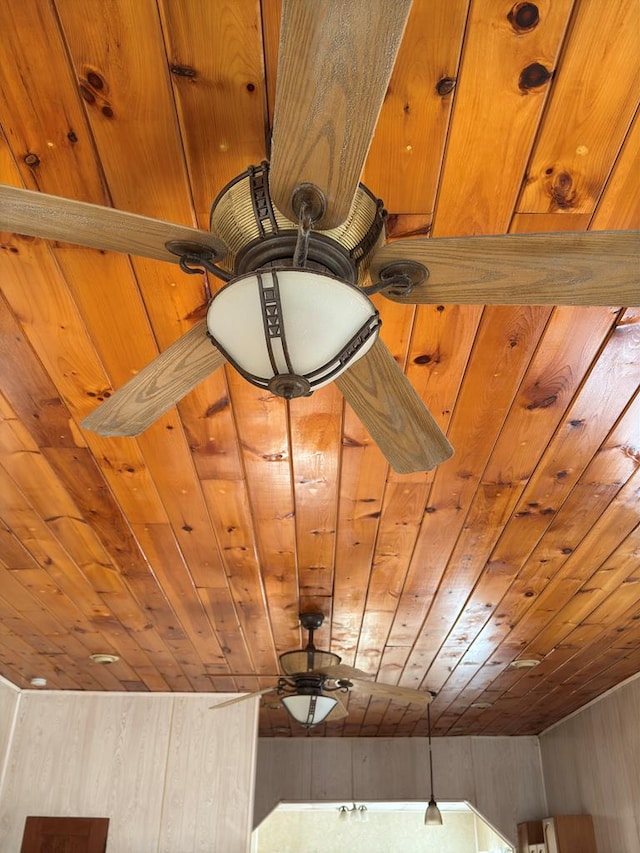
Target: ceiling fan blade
{"x": 575, "y": 268}
{"x": 338, "y": 712}
{"x": 54, "y": 218}
{"x": 387, "y": 404}
{"x": 158, "y": 386}
{"x": 243, "y": 698}
{"x": 341, "y": 670}
{"x": 334, "y": 66}
{"x": 389, "y": 691}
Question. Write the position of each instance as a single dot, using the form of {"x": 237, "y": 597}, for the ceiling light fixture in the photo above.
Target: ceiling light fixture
{"x": 104, "y": 658}
{"x": 38, "y": 681}
{"x": 305, "y": 688}
{"x": 524, "y": 663}
{"x": 291, "y": 330}
{"x": 355, "y": 813}
{"x": 432, "y": 816}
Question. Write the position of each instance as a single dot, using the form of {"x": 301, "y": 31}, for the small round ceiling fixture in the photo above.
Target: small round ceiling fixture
{"x": 102, "y": 658}
{"x": 38, "y": 681}
{"x": 524, "y": 663}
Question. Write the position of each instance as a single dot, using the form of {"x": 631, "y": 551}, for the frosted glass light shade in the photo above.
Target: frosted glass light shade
{"x": 309, "y": 710}
{"x": 432, "y": 816}
{"x": 291, "y": 330}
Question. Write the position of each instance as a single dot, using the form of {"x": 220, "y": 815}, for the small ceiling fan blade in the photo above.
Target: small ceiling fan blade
{"x": 389, "y": 691}
{"x": 243, "y": 698}
{"x": 338, "y": 712}
{"x": 341, "y": 670}
{"x": 158, "y": 386}
{"x": 387, "y": 404}
{"x": 575, "y": 268}
{"x": 334, "y": 66}
{"x": 54, "y": 218}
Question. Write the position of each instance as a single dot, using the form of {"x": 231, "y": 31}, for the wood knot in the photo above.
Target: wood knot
{"x": 524, "y": 17}
{"x": 533, "y": 76}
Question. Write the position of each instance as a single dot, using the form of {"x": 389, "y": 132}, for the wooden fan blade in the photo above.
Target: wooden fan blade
{"x": 243, "y": 698}
{"x": 387, "y": 404}
{"x": 334, "y": 66}
{"x": 341, "y": 670}
{"x": 54, "y": 218}
{"x": 338, "y": 712}
{"x": 576, "y": 268}
{"x": 158, "y": 386}
{"x": 388, "y": 691}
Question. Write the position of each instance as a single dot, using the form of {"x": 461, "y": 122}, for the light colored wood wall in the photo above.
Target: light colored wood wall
{"x": 591, "y": 764}
{"x": 500, "y": 777}
{"x": 170, "y": 774}
{"x": 9, "y": 697}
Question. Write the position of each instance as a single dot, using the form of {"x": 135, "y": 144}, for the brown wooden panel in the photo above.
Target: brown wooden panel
{"x": 586, "y": 122}
{"x": 65, "y": 834}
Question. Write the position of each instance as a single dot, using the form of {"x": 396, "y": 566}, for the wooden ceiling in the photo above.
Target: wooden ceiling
{"x": 190, "y": 551}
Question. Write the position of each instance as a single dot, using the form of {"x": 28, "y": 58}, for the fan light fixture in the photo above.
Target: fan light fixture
{"x": 432, "y": 816}
{"x": 291, "y": 330}
{"x": 309, "y": 709}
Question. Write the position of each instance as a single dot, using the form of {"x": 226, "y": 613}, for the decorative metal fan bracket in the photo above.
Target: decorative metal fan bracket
{"x": 399, "y": 278}
{"x": 195, "y": 258}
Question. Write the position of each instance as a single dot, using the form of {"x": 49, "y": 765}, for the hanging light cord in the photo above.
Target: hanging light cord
{"x": 430, "y": 756}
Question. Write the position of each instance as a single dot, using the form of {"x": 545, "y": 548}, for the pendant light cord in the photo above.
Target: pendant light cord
{"x": 430, "y": 756}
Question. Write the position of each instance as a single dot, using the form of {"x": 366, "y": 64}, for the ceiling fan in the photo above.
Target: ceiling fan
{"x": 312, "y": 677}
{"x": 298, "y": 240}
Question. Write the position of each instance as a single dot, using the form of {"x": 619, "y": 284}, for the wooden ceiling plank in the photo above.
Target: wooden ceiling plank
{"x": 316, "y": 432}
{"x": 30, "y": 106}
{"x": 568, "y": 347}
{"x": 262, "y": 424}
{"x": 362, "y": 483}
{"x": 402, "y": 513}
{"x": 586, "y": 121}
{"x": 538, "y": 632}
{"x": 126, "y": 91}
{"x": 17, "y": 654}
{"x": 592, "y": 657}
{"x": 217, "y": 74}
{"x": 590, "y": 677}
{"x": 522, "y": 573}
{"x": 482, "y": 405}
{"x": 500, "y": 94}
{"x": 169, "y": 566}
{"x": 231, "y": 516}
{"x": 617, "y": 207}
{"x": 404, "y": 161}
{"x": 440, "y": 348}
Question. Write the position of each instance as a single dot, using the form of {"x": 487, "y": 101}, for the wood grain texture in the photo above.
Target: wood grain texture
{"x": 160, "y": 385}
{"x": 600, "y": 745}
{"x": 56, "y": 218}
{"x": 334, "y": 65}
{"x": 393, "y": 413}
{"x": 190, "y": 549}
{"x": 149, "y": 763}
{"x": 536, "y": 269}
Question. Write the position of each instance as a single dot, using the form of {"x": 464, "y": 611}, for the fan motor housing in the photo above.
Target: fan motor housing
{"x": 258, "y": 235}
